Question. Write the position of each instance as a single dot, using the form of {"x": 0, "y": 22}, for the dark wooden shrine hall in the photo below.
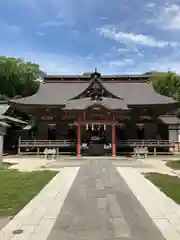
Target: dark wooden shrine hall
{"x": 73, "y": 112}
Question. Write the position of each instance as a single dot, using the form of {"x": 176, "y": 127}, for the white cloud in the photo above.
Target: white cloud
{"x": 104, "y": 18}
{"x": 166, "y": 66}
{"x": 160, "y": 64}
{"x": 72, "y": 64}
{"x": 40, "y": 33}
{"x": 170, "y": 17}
{"x": 59, "y": 64}
{"x": 129, "y": 49}
{"x": 150, "y": 5}
{"x": 121, "y": 63}
{"x": 122, "y": 50}
{"x": 133, "y": 38}
{"x": 166, "y": 16}
{"x": 10, "y": 29}
{"x": 51, "y": 24}
{"x": 53, "y": 63}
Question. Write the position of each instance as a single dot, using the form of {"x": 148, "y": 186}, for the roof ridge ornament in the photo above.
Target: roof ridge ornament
{"x": 96, "y": 91}
{"x": 96, "y": 94}
{"x": 95, "y": 74}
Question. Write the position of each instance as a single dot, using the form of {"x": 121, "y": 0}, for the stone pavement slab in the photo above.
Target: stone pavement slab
{"x": 26, "y": 163}
{"x": 4, "y": 222}
{"x": 100, "y": 206}
{"x": 38, "y": 217}
{"x": 163, "y": 211}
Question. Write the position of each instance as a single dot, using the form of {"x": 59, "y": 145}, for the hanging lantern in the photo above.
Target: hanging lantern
{"x": 121, "y": 125}
{"x": 140, "y": 125}
{"x": 52, "y": 126}
{"x": 145, "y": 118}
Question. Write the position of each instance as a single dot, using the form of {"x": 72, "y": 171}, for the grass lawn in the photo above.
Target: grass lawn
{"x": 18, "y": 188}
{"x": 174, "y": 164}
{"x": 170, "y": 185}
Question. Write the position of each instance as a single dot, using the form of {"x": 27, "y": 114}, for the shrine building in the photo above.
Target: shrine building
{"x": 98, "y": 115}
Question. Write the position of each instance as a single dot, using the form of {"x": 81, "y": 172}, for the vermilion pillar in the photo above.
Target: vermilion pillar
{"x": 78, "y": 139}
{"x": 113, "y": 140}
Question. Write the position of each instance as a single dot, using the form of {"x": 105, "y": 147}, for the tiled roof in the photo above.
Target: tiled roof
{"x": 137, "y": 93}
{"x": 53, "y": 93}
{"x": 60, "y": 92}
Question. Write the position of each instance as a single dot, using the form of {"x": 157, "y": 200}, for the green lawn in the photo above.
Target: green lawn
{"x": 174, "y": 164}
{"x": 18, "y": 188}
{"x": 170, "y": 185}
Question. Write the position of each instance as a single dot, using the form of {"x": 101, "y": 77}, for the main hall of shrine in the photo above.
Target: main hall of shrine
{"x": 96, "y": 114}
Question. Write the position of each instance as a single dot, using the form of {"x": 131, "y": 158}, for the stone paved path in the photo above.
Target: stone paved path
{"x": 100, "y": 206}
{"x": 38, "y": 217}
{"x": 164, "y": 212}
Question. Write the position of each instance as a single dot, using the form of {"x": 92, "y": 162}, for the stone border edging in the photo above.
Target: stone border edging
{"x": 37, "y": 218}
{"x": 164, "y": 212}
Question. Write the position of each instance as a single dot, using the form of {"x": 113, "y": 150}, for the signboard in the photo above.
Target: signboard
{"x": 145, "y": 117}
{"x": 47, "y": 118}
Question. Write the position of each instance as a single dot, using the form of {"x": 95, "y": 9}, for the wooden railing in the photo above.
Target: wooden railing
{"x": 119, "y": 143}
{"x": 46, "y": 143}
{"x": 147, "y": 143}
{"x": 67, "y": 146}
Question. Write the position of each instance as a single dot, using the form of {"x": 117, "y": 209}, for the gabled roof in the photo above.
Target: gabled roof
{"x": 4, "y": 124}
{"x": 3, "y": 108}
{"x": 11, "y": 119}
{"x": 109, "y": 103}
{"x": 61, "y": 92}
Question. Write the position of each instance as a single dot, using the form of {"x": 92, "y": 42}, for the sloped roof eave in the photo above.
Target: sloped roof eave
{"x": 4, "y": 108}
{"x": 138, "y": 93}
{"x": 12, "y": 119}
{"x": 4, "y": 124}
{"x": 56, "y": 94}
{"x": 21, "y": 104}
{"x": 175, "y": 104}
{"x": 52, "y": 94}
{"x": 170, "y": 119}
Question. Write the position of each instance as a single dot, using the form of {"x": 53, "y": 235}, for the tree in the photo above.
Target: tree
{"x": 17, "y": 77}
{"x": 167, "y": 83}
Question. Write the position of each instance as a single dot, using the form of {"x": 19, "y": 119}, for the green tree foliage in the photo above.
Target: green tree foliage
{"x": 167, "y": 83}
{"x": 17, "y": 77}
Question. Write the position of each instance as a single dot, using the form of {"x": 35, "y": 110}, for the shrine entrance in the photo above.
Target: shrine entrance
{"x": 96, "y": 139}
{"x": 96, "y": 131}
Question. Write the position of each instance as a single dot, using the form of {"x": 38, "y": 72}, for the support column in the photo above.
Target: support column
{"x": 2, "y": 133}
{"x": 113, "y": 140}
{"x": 1, "y": 149}
{"x": 19, "y": 148}
{"x": 173, "y": 137}
{"x": 78, "y": 139}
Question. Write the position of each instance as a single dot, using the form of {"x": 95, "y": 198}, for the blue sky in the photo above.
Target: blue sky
{"x": 75, "y": 36}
